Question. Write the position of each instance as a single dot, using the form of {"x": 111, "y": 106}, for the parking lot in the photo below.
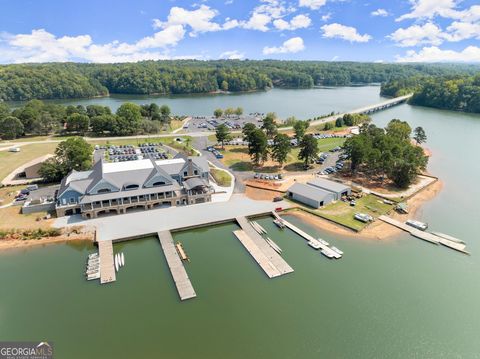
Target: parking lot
{"x": 123, "y": 153}
{"x": 234, "y": 122}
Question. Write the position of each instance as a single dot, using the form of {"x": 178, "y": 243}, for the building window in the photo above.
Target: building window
{"x": 72, "y": 200}
{"x": 195, "y": 172}
{"x": 103, "y": 190}
{"x": 131, "y": 186}
{"x": 159, "y": 183}
{"x": 185, "y": 174}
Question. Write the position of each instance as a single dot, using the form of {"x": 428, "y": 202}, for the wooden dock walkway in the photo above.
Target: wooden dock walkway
{"x": 426, "y": 236}
{"x": 305, "y": 235}
{"x": 268, "y": 259}
{"x": 107, "y": 267}
{"x": 179, "y": 274}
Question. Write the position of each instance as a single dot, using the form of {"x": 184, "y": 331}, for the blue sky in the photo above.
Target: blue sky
{"x": 343, "y": 30}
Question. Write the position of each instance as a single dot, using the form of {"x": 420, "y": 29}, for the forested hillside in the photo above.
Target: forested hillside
{"x": 76, "y": 80}
{"x": 458, "y": 93}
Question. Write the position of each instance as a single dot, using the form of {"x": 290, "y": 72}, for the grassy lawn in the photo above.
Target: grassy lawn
{"x": 11, "y": 160}
{"x": 222, "y": 178}
{"x": 237, "y": 158}
{"x": 342, "y": 213}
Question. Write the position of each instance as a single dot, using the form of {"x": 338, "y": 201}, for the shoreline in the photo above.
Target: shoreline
{"x": 377, "y": 230}
{"x": 71, "y": 236}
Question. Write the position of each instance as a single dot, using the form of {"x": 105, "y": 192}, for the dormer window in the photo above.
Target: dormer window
{"x": 159, "y": 183}
{"x": 104, "y": 190}
{"x": 130, "y": 187}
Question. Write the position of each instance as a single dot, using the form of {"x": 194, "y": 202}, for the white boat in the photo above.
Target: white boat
{"x": 314, "y": 244}
{"x": 93, "y": 255}
{"x": 335, "y": 249}
{"x": 446, "y": 236}
{"x": 362, "y": 217}
{"x": 327, "y": 253}
{"x": 261, "y": 228}
{"x": 116, "y": 262}
{"x": 322, "y": 241}
{"x": 91, "y": 272}
{"x": 93, "y": 266}
{"x": 93, "y": 276}
{"x": 417, "y": 224}
{"x": 274, "y": 245}
{"x": 122, "y": 257}
{"x": 279, "y": 223}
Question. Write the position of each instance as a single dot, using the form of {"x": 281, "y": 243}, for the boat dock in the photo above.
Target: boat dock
{"x": 179, "y": 274}
{"x": 107, "y": 267}
{"x": 266, "y": 257}
{"x": 324, "y": 248}
{"x": 426, "y": 236}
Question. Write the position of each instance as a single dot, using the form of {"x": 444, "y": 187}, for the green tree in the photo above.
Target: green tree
{"x": 258, "y": 146}
{"x": 269, "y": 125}
{"x": 97, "y": 110}
{"x": 103, "y": 123}
{"x": 281, "y": 148}
{"x": 222, "y": 133}
{"x": 72, "y": 154}
{"x": 238, "y": 111}
{"x": 78, "y": 123}
{"x": 229, "y": 111}
{"x": 10, "y": 128}
{"x": 339, "y": 122}
{"x": 419, "y": 135}
{"x": 308, "y": 150}
{"x": 328, "y": 126}
{"x": 399, "y": 129}
{"x": 129, "y": 119}
{"x": 218, "y": 113}
{"x": 248, "y": 130}
{"x": 300, "y": 127}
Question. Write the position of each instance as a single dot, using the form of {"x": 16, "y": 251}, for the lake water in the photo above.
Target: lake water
{"x": 300, "y": 103}
{"x": 399, "y": 298}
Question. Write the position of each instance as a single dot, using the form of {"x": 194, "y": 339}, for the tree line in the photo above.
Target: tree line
{"x": 457, "y": 93}
{"x": 40, "y": 118}
{"x": 19, "y": 82}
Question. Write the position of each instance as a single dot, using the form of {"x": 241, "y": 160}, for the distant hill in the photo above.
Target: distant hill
{"x": 82, "y": 80}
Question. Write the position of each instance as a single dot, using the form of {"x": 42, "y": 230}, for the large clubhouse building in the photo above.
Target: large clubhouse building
{"x": 122, "y": 186}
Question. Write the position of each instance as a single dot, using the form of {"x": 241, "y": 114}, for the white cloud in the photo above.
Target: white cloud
{"x": 459, "y": 30}
{"x": 326, "y": 17}
{"x": 232, "y": 55}
{"x": 428, "y": 9}
{"x": 42, "y": 46}
{"x": 264, "y": 14}
{"x": 344, "y": 32}
{"x": 298, "y": 22}
{"x": 431, "y": 34}
{"x": 418, "y": 34}
{"x": 312, "y": 4}
{"x": 380, "y": 12}
{"x": 199, "y": 20}
{"x": 434, "y": 54}
{"x": 258, "y": 22}
{"x": 293, "y": 45}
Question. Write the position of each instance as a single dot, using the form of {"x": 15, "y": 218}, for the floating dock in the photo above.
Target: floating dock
{"x": 266, "y": 257}
{"x": 107, "y": 267}
{"x": 179, "y": 274}
{"x": 326, "y": 250}
{"x": 426, "y": 236}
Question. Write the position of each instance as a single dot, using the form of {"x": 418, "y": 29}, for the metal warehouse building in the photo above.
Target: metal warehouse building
{"x": 337, "y": 189}
{"x": 310, "y": 195}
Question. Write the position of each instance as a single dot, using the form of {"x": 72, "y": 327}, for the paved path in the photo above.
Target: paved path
{"x": 147, "y": 223}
